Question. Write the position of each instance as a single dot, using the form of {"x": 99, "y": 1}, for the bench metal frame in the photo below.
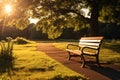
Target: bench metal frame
{"x": 92, "y": 43}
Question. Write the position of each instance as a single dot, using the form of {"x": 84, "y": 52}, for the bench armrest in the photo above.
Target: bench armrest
{"x": 73, "y": 45}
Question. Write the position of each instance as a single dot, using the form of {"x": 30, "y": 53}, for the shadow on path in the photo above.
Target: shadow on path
{"x": 106, "y": 70}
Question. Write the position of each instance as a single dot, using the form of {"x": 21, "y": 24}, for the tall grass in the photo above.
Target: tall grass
{"x": 6, "y": 56}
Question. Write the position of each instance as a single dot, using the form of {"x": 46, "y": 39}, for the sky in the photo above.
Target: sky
{"x": 86, "y": 12}
{"x": 33, "y": 20}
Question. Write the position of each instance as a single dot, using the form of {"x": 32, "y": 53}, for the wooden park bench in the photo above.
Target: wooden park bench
{"x": 89, "y": 46}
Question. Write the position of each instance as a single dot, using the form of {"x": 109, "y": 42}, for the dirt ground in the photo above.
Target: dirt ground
{"x": 106, "y": 72}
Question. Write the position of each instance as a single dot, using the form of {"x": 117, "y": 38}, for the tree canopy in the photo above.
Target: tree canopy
{"x": 56, "y": 15}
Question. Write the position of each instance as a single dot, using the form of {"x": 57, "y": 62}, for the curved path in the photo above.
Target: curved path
{"x": 106, "y": 72}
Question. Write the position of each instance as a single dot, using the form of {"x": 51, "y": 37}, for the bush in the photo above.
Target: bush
{"x": 21, "y": 40}
{"x": 6, "y": 55}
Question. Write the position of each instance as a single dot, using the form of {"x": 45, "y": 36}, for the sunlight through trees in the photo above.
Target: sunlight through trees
{"x": 57, "y": 15}
{"x": 8, "y": 9}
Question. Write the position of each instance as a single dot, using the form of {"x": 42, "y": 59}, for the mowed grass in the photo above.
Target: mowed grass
{"x": 109, "y": 52}
{"x": 30, "y": 64}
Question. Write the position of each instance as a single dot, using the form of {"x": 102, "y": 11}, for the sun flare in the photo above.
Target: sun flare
{"x": 8, "y": 8}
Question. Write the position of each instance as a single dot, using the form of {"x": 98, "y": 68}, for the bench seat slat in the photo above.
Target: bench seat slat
{"x": 91, "y": 38}
{"x": 78, "y": 52}
{"x": 89, "y": 53}
{"x": 90, "y": 44}
{"x": 89, "y": 41}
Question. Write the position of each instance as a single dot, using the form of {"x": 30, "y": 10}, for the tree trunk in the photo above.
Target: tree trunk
{"x": 94, "y": 30}
{"x": 1, "y": 31}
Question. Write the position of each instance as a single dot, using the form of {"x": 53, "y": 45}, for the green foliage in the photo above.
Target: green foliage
{"x": 70, "y": 15}
{"x": 110, "y": 11}
{"x": 7, "y": 48}
{"x": 20, "y": 14}
{"x": 56, "y": 15}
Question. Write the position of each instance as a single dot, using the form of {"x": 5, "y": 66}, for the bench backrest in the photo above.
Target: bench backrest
{"x": 93, "y": 42}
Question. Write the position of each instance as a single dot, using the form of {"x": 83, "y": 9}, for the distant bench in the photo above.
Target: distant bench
{"x": 89, "y": 46}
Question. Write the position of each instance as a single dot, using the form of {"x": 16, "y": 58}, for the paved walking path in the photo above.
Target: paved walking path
{"x": 106, "y": 72}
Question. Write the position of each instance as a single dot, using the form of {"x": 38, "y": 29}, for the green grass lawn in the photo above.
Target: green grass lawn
{"x": 30, "y": 64}
{"x": 109, "y": 53}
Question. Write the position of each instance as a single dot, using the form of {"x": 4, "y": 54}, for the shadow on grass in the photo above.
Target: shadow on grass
{"x": 51, "y": 68}
{"x": 112, "y": 46}
{"x": 107, "y": 71}
{"x": 6, "y": 64}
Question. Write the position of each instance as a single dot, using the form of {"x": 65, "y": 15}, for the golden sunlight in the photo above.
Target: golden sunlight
{"x": 33, "y": 20}
{"x": 8, "y": 9}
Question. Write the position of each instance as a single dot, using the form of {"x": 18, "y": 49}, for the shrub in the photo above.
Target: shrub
{"x": 21, "y": 40}
{"x": 6, "y": 55}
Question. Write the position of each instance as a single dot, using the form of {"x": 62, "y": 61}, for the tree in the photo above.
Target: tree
{"x": 57, "y": 15}
{"x": 68, "y": 13}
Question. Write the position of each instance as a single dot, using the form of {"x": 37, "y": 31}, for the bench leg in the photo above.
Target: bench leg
{"x": 83, "y": 61}
{"x": 97, "y": 60}
{"x": 69, "y": 55}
